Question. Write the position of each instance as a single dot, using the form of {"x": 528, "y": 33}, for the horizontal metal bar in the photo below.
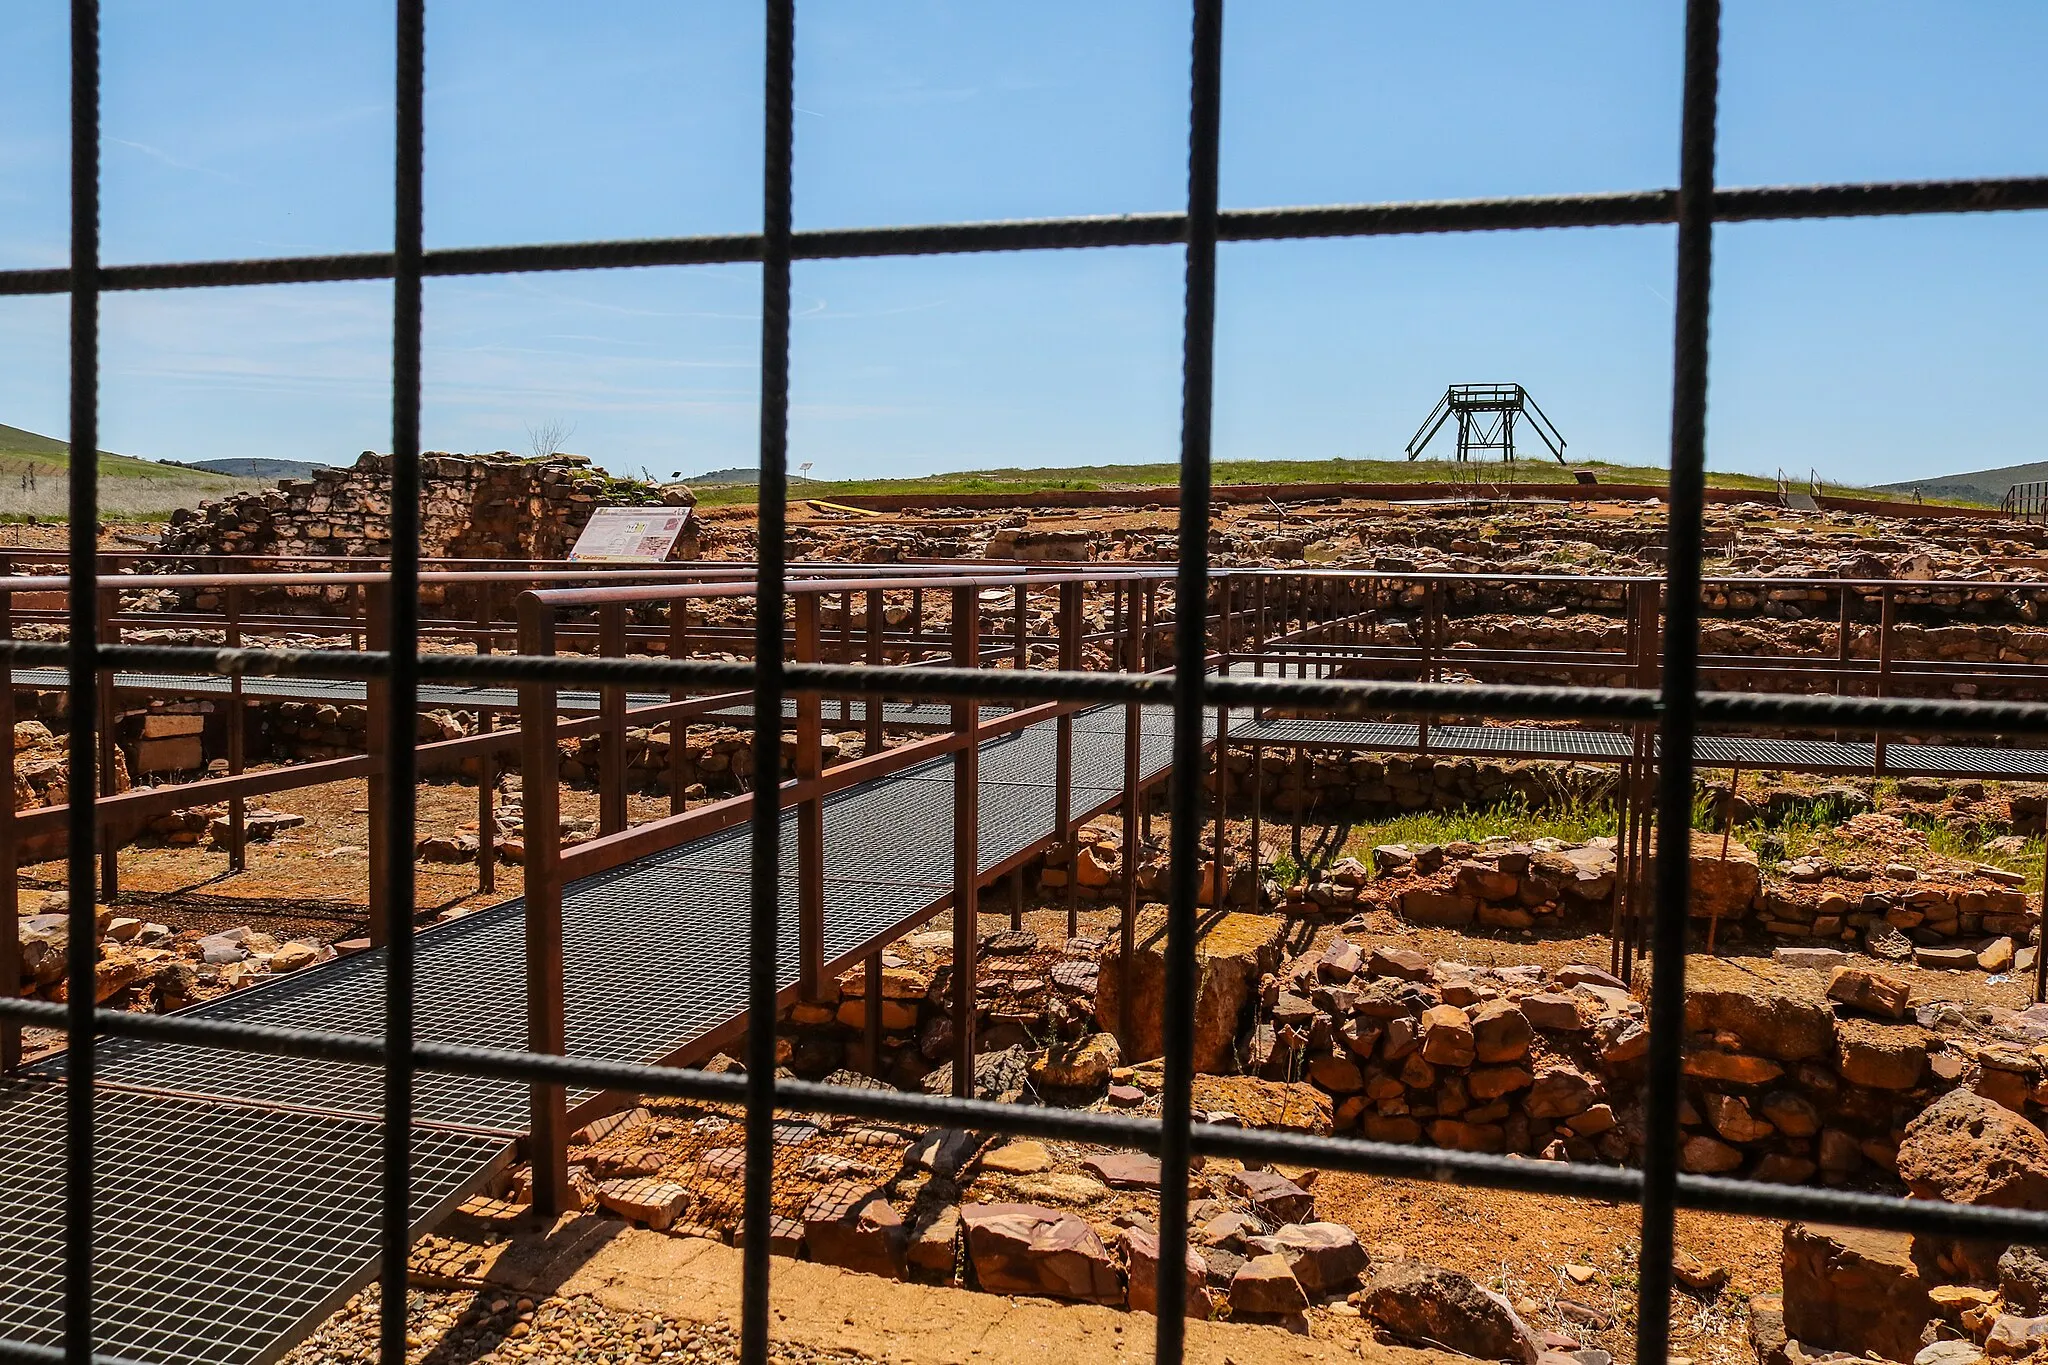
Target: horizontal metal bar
{"x": 1336, "y": 697}
{"x": 1365, "y": 1157}
{"x": 1628, "y": 208}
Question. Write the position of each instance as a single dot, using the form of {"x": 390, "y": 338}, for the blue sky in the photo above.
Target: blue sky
{"x": 1870, "y": 351}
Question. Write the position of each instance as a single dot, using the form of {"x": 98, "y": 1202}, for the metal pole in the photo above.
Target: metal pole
{"x": 1887, "y": 608}
{"x": 378, "y": 739}
{"x": 611, "y": 702}
{"x": 679, "y": 729}
{"x": 540, "y": 815}
{"x": 1134, "y": 661}
{"x": 810, "y": 814}
{"x": 10, "y": 881}
{"x": 236, "y": 718}
{"x": 966, "y": 841}
{"x": 872, "y": 707}
{"x": 110, "y": 749}
{"x": 871, "y": 1014}
{"x": 1072, "y": 621}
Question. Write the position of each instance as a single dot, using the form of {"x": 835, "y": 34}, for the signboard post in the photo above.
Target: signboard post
{"x": 630, "y": 535}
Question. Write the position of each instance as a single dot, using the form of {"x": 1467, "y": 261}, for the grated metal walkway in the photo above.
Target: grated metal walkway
{"x": 218, "y": 1161}
{"x": 1817, "y": 756}
{"x": 344, "y": 691}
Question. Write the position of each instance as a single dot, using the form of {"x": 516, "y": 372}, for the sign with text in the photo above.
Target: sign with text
{"x": 630, "y": 535}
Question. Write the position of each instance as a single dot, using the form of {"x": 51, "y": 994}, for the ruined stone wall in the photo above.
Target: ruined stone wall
{"x": 472, "y": 507}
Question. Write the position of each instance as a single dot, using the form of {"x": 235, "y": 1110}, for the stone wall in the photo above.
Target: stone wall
{"x": 472, "y": 507}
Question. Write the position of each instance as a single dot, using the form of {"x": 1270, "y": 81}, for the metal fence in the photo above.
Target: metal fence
{"x": 1676, "y": 707}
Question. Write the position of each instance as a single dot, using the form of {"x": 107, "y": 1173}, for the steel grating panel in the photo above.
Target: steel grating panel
{"x": 1611, "y": 746}
{"x": 655, "y": 951}
{"x": 223, "y": 1232}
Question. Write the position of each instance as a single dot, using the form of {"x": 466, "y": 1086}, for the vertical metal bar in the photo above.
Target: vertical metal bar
{"x": 846, "y": 650}
{"x": 1847, "y": 594}
{"x": 611, "y": 704}
{"x": 871, "y": 1014}
{"x": 82, "y": 543}
{"x": 810, "y": 812}
{"x": 110, "y": 715}
{"x": 1017, "y": 898}
{"x": 541, "y": 817}
{"x": 966, "y": 840}
{"x": 679, "y": 729}
{"x": 771, "y": 560}
{"x": 1886, "y": 618}
{"x": 1072, "y": 621}
{"x": 400, "y": 763}
{"x": 1127, "y": 939}
{"x": 378, "y": 740}
{"x": 872, "y": 713}
{"x": 1191, "y": 667}
{"x": 1020, "y": 645}
{"x": 486, "y": 803}
{"x": 1680, "y": 684}
{"x": 237, "y": 717}
{"x": 10, "y": 851}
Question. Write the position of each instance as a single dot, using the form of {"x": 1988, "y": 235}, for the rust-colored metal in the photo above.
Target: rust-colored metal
{"x": 486, "y": 806}
{"x": 679, "y": 728}
{"x": 109, "y": 749}
{"x": 1885, "y": 620}
{"x": 237, "y": 724}
{"x": 611, "y": 710}
{"x": 1072, "y": 621}
{"x": 810, "y": 815}
{"x": 871, "y": 1015}
{"x": 1127, "y": 925}
{"x": 10, "y": 855}
{"x": 871, "y": 708}
{"x": 377, "y": 740}
{"x": 540, "y": 813}
{"x": 966, "y": 841}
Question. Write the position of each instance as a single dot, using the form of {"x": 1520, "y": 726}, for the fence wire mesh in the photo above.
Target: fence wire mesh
{"x": 1676, "y": 707}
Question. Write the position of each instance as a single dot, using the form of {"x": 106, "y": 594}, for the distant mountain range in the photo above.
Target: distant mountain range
{"x": 747, "y": 474}
{"x": 1984, "y": 485}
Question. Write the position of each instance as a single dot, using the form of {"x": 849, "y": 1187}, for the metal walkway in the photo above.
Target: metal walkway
{"x": 1818, "y": 756}
{"x": 239, "y": 1203}
{"x": 347, "y": 691}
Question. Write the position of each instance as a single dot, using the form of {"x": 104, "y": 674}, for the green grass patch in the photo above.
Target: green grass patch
{"x": 1575, "y": 822}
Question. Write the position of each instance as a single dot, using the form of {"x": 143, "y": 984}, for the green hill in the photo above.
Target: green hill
{"x": 1228, "y": 472}
{"x": 35, "y": 481}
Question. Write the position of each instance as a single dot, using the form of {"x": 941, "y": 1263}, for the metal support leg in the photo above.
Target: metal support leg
{"x": 966, "y": 842}
{"x": 540, "y": 807}
{"x": 810, "y": 814}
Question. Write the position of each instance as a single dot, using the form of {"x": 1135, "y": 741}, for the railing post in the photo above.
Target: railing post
{"x": 1887, "y": 611}
{"x": 238, "y": 836}
{"x": 10, "y": 944}
{"x": 872, "y": 707}
{"x": 540, "y": 818}
{"x": 678, "y": 729}
{"x": 110, "y": 854}
{"x": 871, "y": 1014}
{"x": 1020, "y": 647}
{"x": 486, "y": 806}
{"x": 611, "y": 705}
{"x": 1222, "y": 746}
{"x": 966, "y": 841}
{"x": 810, "y": 812}
{"x": 377, "y": 738}
{"x": 1127, "y": 928}
{"x": 1072, "y": 621}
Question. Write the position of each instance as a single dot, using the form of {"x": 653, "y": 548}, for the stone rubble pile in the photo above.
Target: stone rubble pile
{"x": 471, "y": 507}
{"x": 146, "y": 966}
{"x": 1940, "y": 913}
